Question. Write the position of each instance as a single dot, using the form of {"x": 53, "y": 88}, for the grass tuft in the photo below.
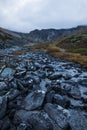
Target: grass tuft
{"x": 51, "y": 49}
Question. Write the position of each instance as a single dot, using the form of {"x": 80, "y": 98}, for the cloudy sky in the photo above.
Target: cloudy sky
{"x": 26, "y": 15}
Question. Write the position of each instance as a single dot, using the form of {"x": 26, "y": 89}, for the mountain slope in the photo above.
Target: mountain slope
{"x": 45, "y": 35}
{"x": 9, "y": 38}
{"x": 60, "y": 36}
{"x": 75, "y": 40}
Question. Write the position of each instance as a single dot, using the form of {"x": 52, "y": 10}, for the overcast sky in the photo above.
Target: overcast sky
{"x": 26, "y": 15}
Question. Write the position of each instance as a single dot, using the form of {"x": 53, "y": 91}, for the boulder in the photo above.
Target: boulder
{"x": 39, "y": 120}
{"x": 75, "y": 92}
{"x": 8, "y": 73}
{"x": 34, "y": 100}
{"x": 61, "y": 100}
{"x": 58, "y": 114}
{"x": 78, "y": 120}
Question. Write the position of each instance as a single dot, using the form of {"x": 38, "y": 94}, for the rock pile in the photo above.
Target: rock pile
{"x": 39, "y": 92}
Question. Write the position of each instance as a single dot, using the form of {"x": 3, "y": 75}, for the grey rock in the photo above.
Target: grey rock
{"x": 38, "y": 120}
{"x": 5, "y": 125}
{"x": 20, "y": 74}
{"x": 61, "y": 100}
{"x": 83, "y": 82}
{"x": 24, "y": 126}
{"x": 42, "y": 85}
{"x": 3, "y": 86}
{"x": 76, "y": 104}
{"x": 78, "y": 120}
{"x": 48, "y": 67}
{"x": 67, "y": 76}
{"x": 50, "y": 96}
{"x": 55, "y": 76}
{"x": 34, "y": 100}
{"x": 20, "y": 86}
{"x": 75, "y": 92}
{"x": 58, "y": 114}
{"x": 3, "y": 106}
{"x": 83, "y": 91}
{"x": 8, "y": 73}
{"x": 12, "y": 94}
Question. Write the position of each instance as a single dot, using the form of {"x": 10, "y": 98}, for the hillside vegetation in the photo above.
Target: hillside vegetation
{"x": 71, "y": 47}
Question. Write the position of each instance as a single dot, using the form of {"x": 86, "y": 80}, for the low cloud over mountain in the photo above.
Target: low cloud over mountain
{"x": 26, "y": 15}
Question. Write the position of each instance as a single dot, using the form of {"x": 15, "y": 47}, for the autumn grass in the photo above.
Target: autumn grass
{"x": 73, "y": 57}
{"x": 51, "y": 49}
{"x": 82, "y": 51}
{"x": 56, "y": 52}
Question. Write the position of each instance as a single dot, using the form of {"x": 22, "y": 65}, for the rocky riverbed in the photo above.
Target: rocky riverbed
{"x": 39, "y": 92}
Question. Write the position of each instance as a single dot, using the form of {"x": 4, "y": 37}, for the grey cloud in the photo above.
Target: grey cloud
{"x": 26, "y": 15}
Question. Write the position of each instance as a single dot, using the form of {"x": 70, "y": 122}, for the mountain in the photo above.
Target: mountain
{"x": 45, "y": 35}
{"x": 10, "y": 38}
{"x": 74, "y": 42}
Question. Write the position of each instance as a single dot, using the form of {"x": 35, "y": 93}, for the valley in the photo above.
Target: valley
{"x": 43, "y": 85}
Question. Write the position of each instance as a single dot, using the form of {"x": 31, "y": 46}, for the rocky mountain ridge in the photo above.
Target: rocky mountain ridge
{"x": 45, "y": 35}
{"x": 10, "y": 38}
